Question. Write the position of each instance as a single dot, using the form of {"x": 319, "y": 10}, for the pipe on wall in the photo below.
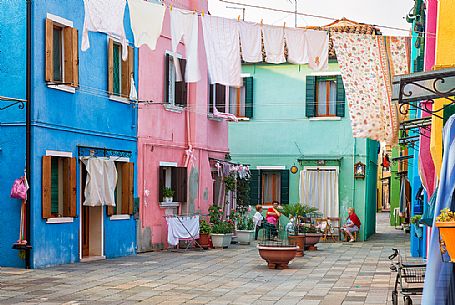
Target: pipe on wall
{"x": 28, "y": 118}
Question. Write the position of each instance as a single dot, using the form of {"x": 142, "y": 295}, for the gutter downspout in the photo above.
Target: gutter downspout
{"x": 28, "y": 118}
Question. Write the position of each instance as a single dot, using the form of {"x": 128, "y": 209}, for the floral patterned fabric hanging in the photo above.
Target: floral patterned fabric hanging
{"x": 368, "y": 64}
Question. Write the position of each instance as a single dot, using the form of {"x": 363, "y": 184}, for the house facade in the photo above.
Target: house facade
{"x": 179, "y": 139}
{"x": 298, "y": 141}
{"x": 80, "y": 112}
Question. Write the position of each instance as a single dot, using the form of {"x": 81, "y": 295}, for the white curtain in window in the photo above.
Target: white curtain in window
{"x": 319, "y": 189}
{"x": 101, "y": 182}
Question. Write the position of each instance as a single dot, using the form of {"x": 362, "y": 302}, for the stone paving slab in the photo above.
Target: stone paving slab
{"x": 338, "y": 273}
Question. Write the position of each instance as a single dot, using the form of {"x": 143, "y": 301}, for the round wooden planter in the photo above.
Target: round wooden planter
{"x": 277, "y": 257}
{"x": 311, "y": 239}
{"x": 447, "y": 233}
{"x": 299, "y": 241}
{"x": 204, "y": 240}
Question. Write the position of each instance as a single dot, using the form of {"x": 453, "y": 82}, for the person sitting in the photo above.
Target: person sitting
{"x": 257, "y": 219}
{"x": 352, "y": 224}
{"x": 272, "y": 217}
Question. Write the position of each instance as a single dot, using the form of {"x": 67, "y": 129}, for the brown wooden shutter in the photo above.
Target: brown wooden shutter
{"x": 110, "y": 65}
{"x": 69, "y": 187}
{"x": 109, "y": 210}
{"x": 161, "y": 183}
{"x": 127, "y": 187}
{"x": 68, "y": 54}
{"x": 130, "y": 171}
{"x": 49, "y": 51}
{"x": 126, "y": 73}
{"x": 130, "y": 69}
{"x": 179, "y": 183}
{"x": 167, "y": 58}
{"x": 181, "y": 88}
{"x": 75, "y": 57}
{"x": 46, "y": 194}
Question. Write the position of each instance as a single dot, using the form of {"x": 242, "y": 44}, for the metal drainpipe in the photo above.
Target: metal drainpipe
{"x": 28, "y": 117}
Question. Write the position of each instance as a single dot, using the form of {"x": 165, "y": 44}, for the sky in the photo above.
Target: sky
{"x": 378, "y": 12}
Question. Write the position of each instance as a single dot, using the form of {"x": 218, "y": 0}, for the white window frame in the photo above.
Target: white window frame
{"x": 170, "y": 103}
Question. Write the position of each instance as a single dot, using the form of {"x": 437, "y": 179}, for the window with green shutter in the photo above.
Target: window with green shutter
{"x": 255, "y": 183}
{"x": 240, "y": 99}
{"x": 55, "y": 186}
{"x": 284, "y": 187}
{"x": 341, "y": 97}
{"x": 310, "y": 96}
{"x": 117, "y": 69}
{"x": 325, "y": 96}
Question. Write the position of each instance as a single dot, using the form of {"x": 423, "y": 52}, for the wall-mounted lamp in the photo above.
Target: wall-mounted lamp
{"x": 294, "y": 169}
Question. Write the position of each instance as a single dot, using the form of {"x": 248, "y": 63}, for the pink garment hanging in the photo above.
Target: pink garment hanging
{"x": 426, "y": 166}
{"x": 367, "y": 65}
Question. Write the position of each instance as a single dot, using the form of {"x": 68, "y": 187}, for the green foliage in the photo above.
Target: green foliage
{"x": 298, "y": 210}
{"x": 223, "y": 227}
{"x": 215, "y": 214}
{"x": 415, "y": 219}
{"x": 204, "y": 227}
{"x": 229, "y": 182}
{"x": 243, "y": 192}
{"x": 168, "y": 192}
{"x": 446, "y": 216}
{"x": 245, "y": 223}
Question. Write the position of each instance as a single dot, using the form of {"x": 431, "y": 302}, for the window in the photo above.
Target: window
{"x": 240, "y": 100}
{"x": 62, "y": 62}
{"x": 269, "y": 185}
{"x": 120, "y": 72}
{"x": 58, "y": 187}
{"x": 124, "y": 201}
{"x": 174, "y": 178}
{"x": 175, "y": 92}
{"x": 325, "y": 96}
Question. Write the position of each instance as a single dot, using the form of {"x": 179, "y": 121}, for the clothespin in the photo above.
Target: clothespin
{"x": 170, "y": 7}
{"x": 202, "y": 13}
{"x": 238, "y": 18}
{"x": 284, "y": 25}
{"x": 262, "y": 22}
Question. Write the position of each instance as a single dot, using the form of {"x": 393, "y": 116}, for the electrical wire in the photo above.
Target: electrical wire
{"x": 320, "y": 16}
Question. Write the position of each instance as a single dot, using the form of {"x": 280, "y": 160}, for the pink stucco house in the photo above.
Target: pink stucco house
{"x": 175, "y": 122}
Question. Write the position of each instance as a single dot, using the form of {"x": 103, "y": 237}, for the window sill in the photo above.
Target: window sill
{"x": 328, "y": 118}
{"x": 243, "y": 119}
{"x": 169, "y": 204}
{"x": 210, "y": 116}
{"x": 173, "y": 108}
{"x": 120, "y": 217}
{"x": 64, "y": 88}
{"x": 119, "y": 99}
{"x": 60, "y": 220}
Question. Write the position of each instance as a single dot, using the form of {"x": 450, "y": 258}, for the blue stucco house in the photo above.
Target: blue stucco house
{"x": 80, "y": 109}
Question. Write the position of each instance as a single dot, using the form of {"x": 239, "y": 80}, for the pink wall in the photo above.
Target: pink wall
{"x": 430, "y": 38}
{"x": 163, "y": 136}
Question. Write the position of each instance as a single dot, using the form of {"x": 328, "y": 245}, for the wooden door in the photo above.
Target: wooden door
{"x": 85, "y": 216}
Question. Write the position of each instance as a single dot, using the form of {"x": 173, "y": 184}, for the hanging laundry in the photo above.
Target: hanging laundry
{"x": 146, "y": 22}
{"x": 274, "y": 44}
{"x": 297, "y": 45}
{"x": 318, "y": 49}
{"x": 226, "y": 116}
{"x": 221, "y": 40}
{"x": 426, "y": 165}
{"x": 133, "y": 90}
{"x": 182, "y": 227}
{"x": 185, "y": 27}
{"x": 101, "y": 182}
{"x": 438, "y": 273}
{"x": 366, "y": 64}
{"x": 251, "y": 41}
{"x": 106, "y": 17}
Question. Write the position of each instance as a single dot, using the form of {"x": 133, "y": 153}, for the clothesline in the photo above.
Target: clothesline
{"x": 319, "y": 16}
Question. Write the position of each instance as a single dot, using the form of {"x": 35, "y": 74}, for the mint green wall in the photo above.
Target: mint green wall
{"x": 280, "y": 134}
{"x": 394, "y": 188}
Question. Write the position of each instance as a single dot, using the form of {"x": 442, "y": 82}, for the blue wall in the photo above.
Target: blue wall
{"x": 12, "y": 124}
{"x": 61, "y": 121}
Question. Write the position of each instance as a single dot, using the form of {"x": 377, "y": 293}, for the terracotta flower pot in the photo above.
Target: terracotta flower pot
{"x": 447, "y": 233}
{"x": 204, "y": 240}
{"x": 299, "y": 241}
{"x": 277, "y": 257}
{"x": 311, "y": 239}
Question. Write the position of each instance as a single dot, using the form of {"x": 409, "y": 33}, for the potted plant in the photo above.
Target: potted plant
{"x": 168, "y": 194}
{"x": 446, "y": 225}
{"x": 415, "y": 220}
{"x": 221, "y": 230}
{"x": 204, "y": 234}
{"x": 245, "y": 230}
{"x": 221, "y": 234}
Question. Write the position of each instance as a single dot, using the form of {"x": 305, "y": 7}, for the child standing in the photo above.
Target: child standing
{"x": 257, "y": 219}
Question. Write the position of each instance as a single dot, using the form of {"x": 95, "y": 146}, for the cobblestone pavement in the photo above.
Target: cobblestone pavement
{"x": 338, "y": 273}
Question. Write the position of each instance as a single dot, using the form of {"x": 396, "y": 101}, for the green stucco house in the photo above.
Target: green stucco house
{"x": 296, "y": 135}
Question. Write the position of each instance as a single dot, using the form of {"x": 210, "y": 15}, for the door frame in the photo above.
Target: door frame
{"x": 81, "y": 188}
